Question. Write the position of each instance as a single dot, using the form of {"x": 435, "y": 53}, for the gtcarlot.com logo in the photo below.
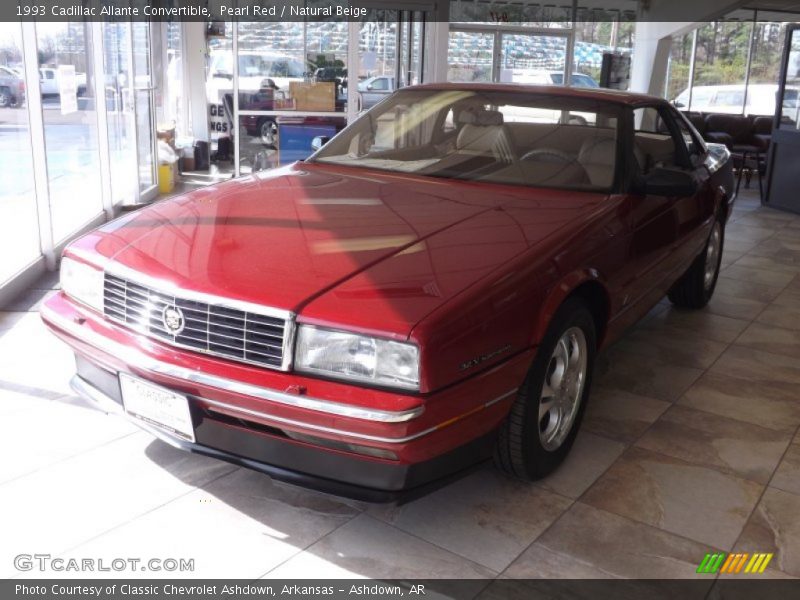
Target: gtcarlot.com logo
{"x": 47, "y": 563}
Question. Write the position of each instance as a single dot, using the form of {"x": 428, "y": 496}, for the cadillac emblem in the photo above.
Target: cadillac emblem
{"x": 173, "y": 319}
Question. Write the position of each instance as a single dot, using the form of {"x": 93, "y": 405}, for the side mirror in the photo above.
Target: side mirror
{"x": 319, "y": 141}
{"x": 370, "y": 87}
{"x": 666, "y": 182}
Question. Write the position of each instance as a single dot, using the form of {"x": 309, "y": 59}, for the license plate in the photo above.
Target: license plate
{"x": 157, "y": 406}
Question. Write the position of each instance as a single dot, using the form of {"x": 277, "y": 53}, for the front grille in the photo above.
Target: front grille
{"x": 208, "y": 328}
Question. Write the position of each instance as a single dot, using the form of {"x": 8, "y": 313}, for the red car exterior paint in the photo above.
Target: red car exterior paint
{"x": 470, "y": 272}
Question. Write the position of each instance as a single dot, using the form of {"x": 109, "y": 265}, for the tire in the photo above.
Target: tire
{"x": 5, "y": 97}
{"x": 695, "y": 288}
{"x": 268, "y": 132}
{"x": 531, "y": 443}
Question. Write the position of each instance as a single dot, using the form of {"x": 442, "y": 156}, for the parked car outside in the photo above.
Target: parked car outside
{"x": 257, "y": 71}
{"x": 730, "y": 99}
{"x": 374, "y": 89}
{"x": 540, "y": 77}
{"x": 12, "y": 88}
{"x": 263, "y": 78}
{"x": 428, "y": 290}
{"x": 49, "y": 86}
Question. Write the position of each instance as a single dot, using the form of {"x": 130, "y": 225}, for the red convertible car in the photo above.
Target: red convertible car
{"x": 428, "y": 290}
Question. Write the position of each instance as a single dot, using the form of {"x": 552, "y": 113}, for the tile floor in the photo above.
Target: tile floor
{"x": 690, "y": 444}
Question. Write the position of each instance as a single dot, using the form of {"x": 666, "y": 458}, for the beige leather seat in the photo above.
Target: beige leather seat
{"x": 598, "y": 156}
{"x": 482, "y": 133}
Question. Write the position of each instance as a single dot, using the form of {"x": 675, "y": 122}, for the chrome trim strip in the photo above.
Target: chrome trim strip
{"x": 88, "y": 391}
{"x": 135, "y": 358}
{"x": 362, "y": 436}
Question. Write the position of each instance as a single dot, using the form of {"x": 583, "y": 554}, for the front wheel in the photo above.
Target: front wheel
{"x": 544, "y": 420}
{"x": 5, "y": 98}
{"x": 695, "y": 288}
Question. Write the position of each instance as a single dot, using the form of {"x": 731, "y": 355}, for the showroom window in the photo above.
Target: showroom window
{"x": 19, "y": 225}
{"x": 532, "y": 43}
{"x": 679, "y": 72}
{"x": 728, "y": 66}
{"x": 721, "y": 66}
{"x": 292, "y": 80}
{"x": 295, "y": 81}
{"x": 69, "y": 113}
{"x": 595, "y": 36}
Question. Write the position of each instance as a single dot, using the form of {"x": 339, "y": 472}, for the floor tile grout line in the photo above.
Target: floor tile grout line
{"x": 402, "y": 531}
{"x": 764, "y": 491}
{"x": 619, "y": 516}
{"x": 767, "y": 305}
{"x": 449, "y": 551}
{"x": 532, "y": 483}
{"x": 573, "y": 502}
{"x": 783, "y": 457}
{"x": 310, "y": 544}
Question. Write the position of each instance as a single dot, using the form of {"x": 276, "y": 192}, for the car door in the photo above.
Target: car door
{"x": 663, "y": 226}
{"x": 694, "y": 213}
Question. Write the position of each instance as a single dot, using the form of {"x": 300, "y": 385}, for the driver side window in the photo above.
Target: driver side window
{"x": 654, "y": 145}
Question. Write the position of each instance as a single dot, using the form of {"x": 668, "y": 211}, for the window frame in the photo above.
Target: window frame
{"x": 668, "y": 116}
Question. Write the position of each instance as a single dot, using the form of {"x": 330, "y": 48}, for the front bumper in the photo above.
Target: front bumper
{"x": 355, "y": 442}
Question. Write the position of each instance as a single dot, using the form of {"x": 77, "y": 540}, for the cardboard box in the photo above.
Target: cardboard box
{"x": 316, "y": 96}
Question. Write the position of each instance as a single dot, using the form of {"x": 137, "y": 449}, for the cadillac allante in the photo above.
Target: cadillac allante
{"x": 427, "y": 291}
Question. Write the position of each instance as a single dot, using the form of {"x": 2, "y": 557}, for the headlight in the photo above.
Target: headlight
{"x": 357, "y": 358}
{"x": 82, "y": 283}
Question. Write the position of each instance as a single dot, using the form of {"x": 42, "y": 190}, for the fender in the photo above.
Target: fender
{"x": 562, "y": 290}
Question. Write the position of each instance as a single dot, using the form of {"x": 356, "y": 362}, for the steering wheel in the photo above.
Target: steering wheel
{"x": 547, "y": 155}
{"x": 568, "y": 167}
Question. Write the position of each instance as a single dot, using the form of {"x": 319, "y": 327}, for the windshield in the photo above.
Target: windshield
{"x": 501, "y": 137}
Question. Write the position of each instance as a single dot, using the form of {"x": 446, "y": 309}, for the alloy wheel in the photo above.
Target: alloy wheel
{"x": 712, "y": 256}
{"x": 562, "y": 390}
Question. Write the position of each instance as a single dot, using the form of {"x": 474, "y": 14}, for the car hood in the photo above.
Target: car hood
{"x": 379, "y": 247}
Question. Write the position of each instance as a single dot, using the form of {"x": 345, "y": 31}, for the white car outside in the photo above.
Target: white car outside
{"x": 729, "y": 99}
{"x": 48, "y": 81}
{"x": 255, "y": 70}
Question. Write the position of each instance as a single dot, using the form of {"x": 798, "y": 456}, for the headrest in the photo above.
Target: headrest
{"x": 481, "y": 118}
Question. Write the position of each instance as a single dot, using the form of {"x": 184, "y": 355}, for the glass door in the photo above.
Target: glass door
{"x": 129, "y": 102}
{"x": 69, "y": 115}
{"x": 143, "y": 103}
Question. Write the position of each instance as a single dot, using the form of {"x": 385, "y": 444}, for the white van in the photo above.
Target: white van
{"x": 729, "y": 99}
